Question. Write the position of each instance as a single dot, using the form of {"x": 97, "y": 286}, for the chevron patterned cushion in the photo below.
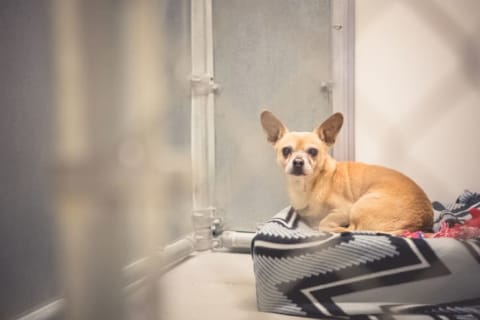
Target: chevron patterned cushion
{"x": 304, "y": 272}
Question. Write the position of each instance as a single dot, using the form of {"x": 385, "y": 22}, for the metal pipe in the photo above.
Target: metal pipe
{"x": 176, "y": 252}
{"x": 135, "y": 272}
{"x": 343, "y": 24}
{"x": 46, "y": 312}
{"x": 235, "y": 240}
{"x": 202, "y": 122}
{"x": 134, "y": 276}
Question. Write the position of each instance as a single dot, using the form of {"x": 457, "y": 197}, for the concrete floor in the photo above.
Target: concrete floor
{"x": 213, "y": 286}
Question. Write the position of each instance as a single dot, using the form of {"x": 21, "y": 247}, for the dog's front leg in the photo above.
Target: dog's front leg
{"x": 335, "y": 221}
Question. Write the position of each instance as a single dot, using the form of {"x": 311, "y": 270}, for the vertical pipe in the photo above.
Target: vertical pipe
{"x": 203, "y": 136}
{"x": 343, "y": 74}
{"x": 210, "y": 102}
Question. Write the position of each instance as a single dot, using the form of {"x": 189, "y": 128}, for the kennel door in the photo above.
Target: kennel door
{"x": 273, "y": 54}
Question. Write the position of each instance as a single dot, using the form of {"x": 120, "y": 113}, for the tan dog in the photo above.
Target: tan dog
{"x": 344, "y": 196}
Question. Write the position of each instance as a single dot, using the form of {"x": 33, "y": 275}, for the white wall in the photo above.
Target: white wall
{"x": 418, "y": 91}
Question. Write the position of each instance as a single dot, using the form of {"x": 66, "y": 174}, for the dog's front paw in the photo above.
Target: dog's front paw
{"x": 341, "y": 229}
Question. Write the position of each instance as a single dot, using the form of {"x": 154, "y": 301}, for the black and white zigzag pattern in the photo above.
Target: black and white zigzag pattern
{"x": 300, "y": 271}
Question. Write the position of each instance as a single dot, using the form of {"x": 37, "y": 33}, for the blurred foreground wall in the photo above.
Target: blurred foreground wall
{"x": 94, "y": 149}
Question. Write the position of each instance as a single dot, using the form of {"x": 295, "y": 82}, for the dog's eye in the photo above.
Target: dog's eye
{"x": 312, "y": 152}
{"x": 286, "y": 151}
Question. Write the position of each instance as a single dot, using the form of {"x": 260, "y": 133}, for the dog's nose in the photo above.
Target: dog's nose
{"x": 298, "y": 162}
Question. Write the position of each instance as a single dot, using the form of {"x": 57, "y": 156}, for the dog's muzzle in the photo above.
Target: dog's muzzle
{"x": 297, "y": 166}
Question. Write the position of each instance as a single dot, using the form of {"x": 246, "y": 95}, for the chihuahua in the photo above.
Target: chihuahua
{"x": 344, "y": 196}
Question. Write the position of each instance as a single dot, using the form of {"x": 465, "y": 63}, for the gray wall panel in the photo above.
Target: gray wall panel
{"x": 267, "y": 53}
{"x": 27, "y": 259}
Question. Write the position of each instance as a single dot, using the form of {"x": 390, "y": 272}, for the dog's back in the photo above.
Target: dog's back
{"x": 382, "y": 198}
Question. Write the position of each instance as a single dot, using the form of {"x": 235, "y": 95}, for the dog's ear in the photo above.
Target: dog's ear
{"x": 273, "y": 127}
{"x": 329, "y": 129}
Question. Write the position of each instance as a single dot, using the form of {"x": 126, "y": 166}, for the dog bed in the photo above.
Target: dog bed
{"x": 364, "y": 275}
